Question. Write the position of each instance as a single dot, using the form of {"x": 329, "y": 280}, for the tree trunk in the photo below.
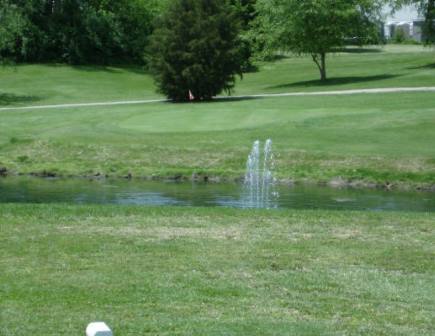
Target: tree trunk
{"x": 321, "y": 64}
{"x": 323, "y": 67}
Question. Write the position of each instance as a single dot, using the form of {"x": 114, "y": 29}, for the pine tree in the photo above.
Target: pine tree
{"x": 196, "y": 48}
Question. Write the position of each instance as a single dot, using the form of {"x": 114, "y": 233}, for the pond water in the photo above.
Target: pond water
{"x": 138, "y": 192}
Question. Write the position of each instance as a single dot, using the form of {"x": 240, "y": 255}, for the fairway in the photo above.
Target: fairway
{"x": 389, "y": 66}
{"x": 214, "y": 271}
{"x": 362, "y": 139}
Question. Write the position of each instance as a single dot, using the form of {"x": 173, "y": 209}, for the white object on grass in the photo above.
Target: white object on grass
{"x": 98, "y": 329}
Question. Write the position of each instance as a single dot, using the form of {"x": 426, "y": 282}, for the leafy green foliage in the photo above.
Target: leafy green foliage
{"x": 314, "y": 27}
{"x": 11, "y": 25}
{"x": 196, "y": 48}
{"x": 246, "y": 13}
{"x": 83, "y": 31}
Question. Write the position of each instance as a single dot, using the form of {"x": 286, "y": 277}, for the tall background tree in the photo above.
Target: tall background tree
{"x": 196, "y": 47}
{"x": 246, "y": 13}
{"x": 315, "y": 27}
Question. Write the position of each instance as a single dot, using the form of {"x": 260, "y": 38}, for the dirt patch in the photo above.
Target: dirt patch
{"x": 159, "y": 233}
{"x": 344, "y": 234}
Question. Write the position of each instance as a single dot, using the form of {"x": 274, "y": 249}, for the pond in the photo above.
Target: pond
{"x": 139, "y": 192}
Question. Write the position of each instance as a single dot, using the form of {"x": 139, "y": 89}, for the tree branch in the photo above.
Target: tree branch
{"x": 316, "y": 60}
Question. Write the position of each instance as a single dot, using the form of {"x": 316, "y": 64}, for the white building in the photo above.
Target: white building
{"x": 408, "y": 20}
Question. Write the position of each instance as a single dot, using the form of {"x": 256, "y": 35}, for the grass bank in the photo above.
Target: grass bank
{"x": 368, "y": 140}
{"x": 187, "y": 271}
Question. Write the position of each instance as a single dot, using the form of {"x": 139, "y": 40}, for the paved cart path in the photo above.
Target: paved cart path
{"x": 265, "y": 95}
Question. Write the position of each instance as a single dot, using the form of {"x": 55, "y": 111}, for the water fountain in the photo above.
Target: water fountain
{"x": 259, "y": 181}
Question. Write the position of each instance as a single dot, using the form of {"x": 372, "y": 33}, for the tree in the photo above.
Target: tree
{"x": 11, "y": 25}
{"x": 315, "y": 27}
{"x": 83, "y": 31}
{"x": 195, "y": 47}
{"x": 246, "y": 13}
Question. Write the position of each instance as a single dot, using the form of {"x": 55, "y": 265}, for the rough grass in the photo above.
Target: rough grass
{"x": 172, "y": 271}
{"x": 381, "y": 139}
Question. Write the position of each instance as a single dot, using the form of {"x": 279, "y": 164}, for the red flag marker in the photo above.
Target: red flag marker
{"x": 191, "y": 96}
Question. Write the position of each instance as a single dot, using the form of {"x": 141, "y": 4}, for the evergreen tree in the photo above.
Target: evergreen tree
{"x": 195, "y": 48}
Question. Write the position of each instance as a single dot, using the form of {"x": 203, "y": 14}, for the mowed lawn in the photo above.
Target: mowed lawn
{"x": 390, "y": 66}
{"x": 188, "y": 271}
{"x": 378, "y": 139}
{"x": 217, "y": 271}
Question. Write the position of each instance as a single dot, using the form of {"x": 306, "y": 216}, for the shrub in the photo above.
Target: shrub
{"x": 399, "y": 35}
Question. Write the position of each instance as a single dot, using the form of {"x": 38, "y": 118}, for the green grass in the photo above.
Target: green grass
{"x": 187, "y": 271}
{"x": 390, "y": 66}
{"x": 368, "y": 139}
{"x": 30, "y": 84}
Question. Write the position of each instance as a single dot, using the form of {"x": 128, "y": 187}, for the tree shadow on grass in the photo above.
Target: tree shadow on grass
{"x": 10, "y": 98}
{"x": 96, "y": 68}
{"x": 136, "y": 69}
{"x": 85, "y": 68}
{"x": 422, "y": 67}
{"x": 113, "y": 69}
{"x": 226, "y": 99}
{"x": 334, "y": 81}
{"x": 357, "y": 50}
{"x": 140, "y": 70}
{"x": 218, "y": 99}
{"x": 277, "y": 57}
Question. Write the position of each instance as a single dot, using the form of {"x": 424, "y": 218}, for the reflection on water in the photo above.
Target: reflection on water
{"x": 136, "y": 192}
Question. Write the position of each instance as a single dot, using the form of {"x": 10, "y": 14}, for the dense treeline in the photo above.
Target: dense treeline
{"x": 77, "y": 31}
{"x": 86, "y": 31}
{"x": 118, "y": 31}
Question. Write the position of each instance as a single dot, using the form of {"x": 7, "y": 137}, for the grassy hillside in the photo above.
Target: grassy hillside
{"x": 172, "y": 271}
{"x": 388, "y": 66}
{"x": 383, "y": 139}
